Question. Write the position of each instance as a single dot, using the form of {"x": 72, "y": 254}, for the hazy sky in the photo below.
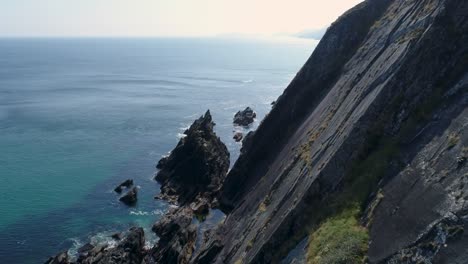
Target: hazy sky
{"x": 165, "y": 17}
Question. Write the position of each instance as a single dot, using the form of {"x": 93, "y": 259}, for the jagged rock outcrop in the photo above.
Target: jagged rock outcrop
{"x": 128, "y": 251}
{"x": 127, "y": 184}
{"x": 197, "y": 165}
{"x": 244, "y": 117}
{"x": 191, "y": 175}
{"x": 374, "y": 119}
{"x": 131, "y": 197}
{"x": 177, "y": 237}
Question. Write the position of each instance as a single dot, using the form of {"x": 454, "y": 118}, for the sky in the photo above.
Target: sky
{"x": 63, "y": 18}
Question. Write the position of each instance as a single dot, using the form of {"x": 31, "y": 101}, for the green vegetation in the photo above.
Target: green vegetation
{"x": 453, "y": 140}
{"x": 339, "y": 239}
{"x": 335, "y": 232}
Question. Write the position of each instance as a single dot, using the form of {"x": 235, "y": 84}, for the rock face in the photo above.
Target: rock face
{"x": 131, "y": 197}
{"x": 177, "y": 237}
{"x": 374, "y": 123}
{"x": 198, "y": 164}
{"x": 127, "y": 184}
{"x": 128, "y": 251}
{"x": 365, "y": 152}
{"x": 245, "y": 117}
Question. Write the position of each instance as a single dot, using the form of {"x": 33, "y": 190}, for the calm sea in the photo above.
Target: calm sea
{"x": 78, "y": 116}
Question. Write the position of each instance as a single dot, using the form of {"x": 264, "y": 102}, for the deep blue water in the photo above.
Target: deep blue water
{"x": 78, "y": 116}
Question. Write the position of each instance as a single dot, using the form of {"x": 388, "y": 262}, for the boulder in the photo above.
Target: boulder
{"x": 238, "y": 136}
{"x": 198, "y": 164}
{"x": 130, "y": 198}
{"x": 127, "y": 184}
{"x": 245, "y": 117}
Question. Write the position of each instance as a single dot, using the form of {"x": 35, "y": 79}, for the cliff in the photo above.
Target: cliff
{"x": 369, "y": 136}
{"x": 363, "y": 156}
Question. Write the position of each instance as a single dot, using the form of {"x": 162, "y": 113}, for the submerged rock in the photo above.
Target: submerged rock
{"x": 198, "y": 164}
{"x": 127, "y": 183}
{"x": 130, "y": 198}
{"x": 245, "y": 117}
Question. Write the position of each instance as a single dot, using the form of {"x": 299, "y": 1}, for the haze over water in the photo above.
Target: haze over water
{"x": 78, "y": 116}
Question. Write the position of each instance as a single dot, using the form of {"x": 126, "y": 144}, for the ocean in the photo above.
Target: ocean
{"x": 80, "y": 115}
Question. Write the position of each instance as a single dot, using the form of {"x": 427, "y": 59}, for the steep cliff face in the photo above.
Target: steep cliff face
{"x": 370, "y": 134}
{"x": 365, "y": 154}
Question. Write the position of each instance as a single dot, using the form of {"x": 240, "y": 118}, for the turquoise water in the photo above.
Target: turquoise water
{"x": 78, "y": 116}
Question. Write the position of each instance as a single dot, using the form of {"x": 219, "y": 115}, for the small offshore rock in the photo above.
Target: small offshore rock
{"x": 130, "y": 198}
{"x": 245, "y": 117}
{"x": 238, "y": 136}
{"x": 128, "y": 183}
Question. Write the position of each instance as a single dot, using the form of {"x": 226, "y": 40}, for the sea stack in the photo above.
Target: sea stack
{"x": 197, "y": 165}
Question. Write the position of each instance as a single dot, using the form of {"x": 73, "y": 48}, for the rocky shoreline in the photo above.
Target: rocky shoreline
{"x": 364, "y": 154}
{"x": 190, "y": 177}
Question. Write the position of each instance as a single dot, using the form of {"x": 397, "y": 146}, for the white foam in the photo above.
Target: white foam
{"x": 144, "y": 213}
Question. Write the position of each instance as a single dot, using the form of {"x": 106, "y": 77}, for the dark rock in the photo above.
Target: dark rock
{"x": 116, "y": 236}
{"x": 386, "y": 71}
{"x": 130, "y": 198}
{"x": 85, "y": 248}
{"x": 198, "y": 164}
{"x": 200, "y": 206}
{"x": 238, "y": 136}
{"x": 247, "y": 141}
{"x": 125, "y": 184}
{"x": 177, "y": 237}
{"x": 162, "y": 162}
{"x": 128, "y": 251}
{"x": 61, "y": 258}
{"x": 245, "y": 117}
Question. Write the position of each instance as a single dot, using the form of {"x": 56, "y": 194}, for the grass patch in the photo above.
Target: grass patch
{"x": 453, "y": 140}
{"x": 339, "y": 239}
